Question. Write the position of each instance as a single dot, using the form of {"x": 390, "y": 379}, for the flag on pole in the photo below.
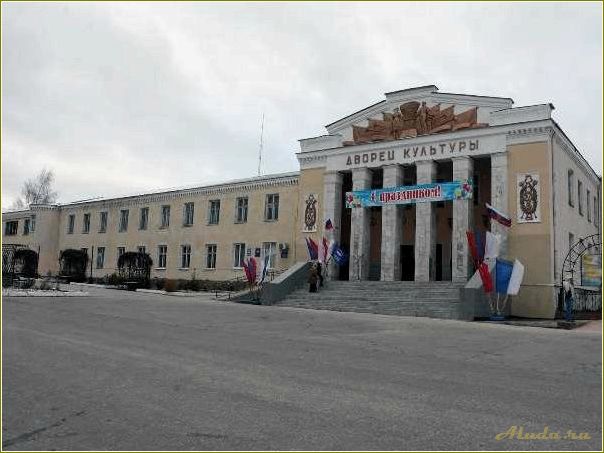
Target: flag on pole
{"x": 265, "y": 263}
{"x": 499, "y": 216}
{"x": 503, "y": 273}
{"x": 313, "y": 249}
{"x": 516, "y": 278}
{"x": 328, "y": 225}
{"x": 251, "y": 264}
{"x": 491, "y": 248}
{"x": 485, "y": 276}
{"x": 324, "y": 255}
{"x": 472, "y": 247}
{"x": 246, "y": 269}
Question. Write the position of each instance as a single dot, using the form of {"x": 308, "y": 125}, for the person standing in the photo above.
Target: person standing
{"x": 312, "y": 279}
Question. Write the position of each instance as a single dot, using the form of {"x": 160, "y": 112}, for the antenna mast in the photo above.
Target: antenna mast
{"x": 261, "y": 144}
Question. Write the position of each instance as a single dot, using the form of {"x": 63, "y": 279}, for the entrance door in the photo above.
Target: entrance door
{"x": 407, "y": 263}
{"x": 439, "y": 262}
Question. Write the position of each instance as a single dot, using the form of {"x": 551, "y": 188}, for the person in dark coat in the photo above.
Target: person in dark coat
{"x": 312, "y": 279}
{"x": 320, "y": 274}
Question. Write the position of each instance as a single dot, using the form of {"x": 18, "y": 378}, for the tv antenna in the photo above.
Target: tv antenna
{"x": 261, "y": 144}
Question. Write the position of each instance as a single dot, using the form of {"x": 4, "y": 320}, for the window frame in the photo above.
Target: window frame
{"x": 123, "y": 225}
{"x": 241, "y": 207}
{"x": 238, "y": 259}
{"x": 103, "y": 218}
{"x": 580, "y": 196}
{"x": 86, "y": 223}
{"x": 32, "y": 223}
{"x": 211, "y": 256}
{"x": 160, "y": 255}
{"x": 186, "y": 213}
{"x": 12, "y": 231}
{"x": 143, "y": 218}
{"x": 571, "y": 187}
{"x": 588, "y": 204}
{"x": 26, "y": 227}
{"x": 100, "y": 253}
{"x": 214, "y": 212}
{"x": 70, "y": 223}
{"x": 185, "y": 251}
{"x": 273, "y": 256}
{"x": 271, "y": 206}
{"x": 165, "y": 216}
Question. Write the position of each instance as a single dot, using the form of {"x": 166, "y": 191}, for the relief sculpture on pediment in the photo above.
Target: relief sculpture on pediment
{"x": 412, "y": 119}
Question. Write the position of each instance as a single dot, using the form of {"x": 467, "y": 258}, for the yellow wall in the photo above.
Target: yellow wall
{"x": 530, "y": 243}
{"x": 311, "y": 181}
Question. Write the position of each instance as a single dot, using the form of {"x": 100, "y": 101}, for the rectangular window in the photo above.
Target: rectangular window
{"x": 162, "y": 256}
{"x": 26, "y": 227}
{"x": 571, "y": 240}
{"x": 596, "y": 211}
{"x": 571, "y": 188}
{"x": 120, "y": 251}
{"x": 165, "y": 216}
{"x": 70, "y": 223}
{"x": 270, "y": 249}
{"x": 144, "y": 219}
{"x": 241, "y": 214}
{"x": 211, "y": 256}
{"x": 100, "y": 257}
{"x": 11, "y": 228}
{"x": 271, "y": 211}
{"x": 188, "y": 214}
{"x": 32, "y": 225}
{"x": 141, "y": 249}
{"x": 185, "y": 256}
{"x": 103, "y": 222}
{"x": 85, "y": 250}
{"x": 86, "y": 224}
{"x": 124, "y": 219}
{"x": 580, "y": 196}
{"x": 588, "y": 204}
{"x": 214, "y": 212}
{"x": 238, "y": 255}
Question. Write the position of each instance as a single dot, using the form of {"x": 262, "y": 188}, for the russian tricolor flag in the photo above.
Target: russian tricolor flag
{"x": 498, "y": 216}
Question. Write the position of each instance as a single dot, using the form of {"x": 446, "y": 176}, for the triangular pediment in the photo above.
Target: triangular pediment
{"x": 414, "y": 112}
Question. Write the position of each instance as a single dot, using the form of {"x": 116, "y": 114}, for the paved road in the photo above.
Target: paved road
{"x": 128, "y": 371}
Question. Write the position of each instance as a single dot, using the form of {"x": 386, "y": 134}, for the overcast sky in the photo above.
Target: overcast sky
{"x": 124, "y": 98}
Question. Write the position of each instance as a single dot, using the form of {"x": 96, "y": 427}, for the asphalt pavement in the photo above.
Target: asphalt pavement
{"x": 128, "y": 371}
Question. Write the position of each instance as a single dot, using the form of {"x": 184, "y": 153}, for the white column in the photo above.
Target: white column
{"x": 359, "y": 229}
{"x": 392, "y": 232}
{"x": 499, "y": 195}
{"x": 425, "y": 227}
{"x": 332, "y": 209}
{"x": 463, "y": 168}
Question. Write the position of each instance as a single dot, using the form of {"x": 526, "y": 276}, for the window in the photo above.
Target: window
{"x": 238, "y": 255}
{"x": 188, "y": 214}
{"x": 144, "y": 219}
{"x": 588, "y": 204}
{"x": 270, "y": 249}
{"x": 211, "y": 256}
{"x": 124, "y": 220}
{"x": 120, "y": 251}
{"x": 596, "y": 211}
{"x": 86, "y": 224}
{"x": 580, "y": 196}
{"x": 185, "y": 256}
{"x": 162, "y": 256}
{"x": 241, "y": 214}
{"x": 571, "y": 240}
{"x": 571, "y": 188}
{"x": 100, "y": 257}
{"x": 214, "y": 212}
{"x": 103, "y": 222}
{"x": 165, "y": 216}
{"x": 85, "y": 250}
{"x": 11, "y": 228}
{"x": 272, "y": 207}
{"x": 70, "y": 223}
{"x": 32, "y": 225}
{"x": 141, "y": 249}
{"x": 26, "y": 227}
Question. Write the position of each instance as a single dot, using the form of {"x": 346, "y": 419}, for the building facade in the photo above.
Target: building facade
{"x": 516, "y": 159}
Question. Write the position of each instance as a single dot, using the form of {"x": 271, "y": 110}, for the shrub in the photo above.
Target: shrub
{"x": 170, "y": 285}
{"x": 114, "y": 280}
{"x": 194, "y": 285}
{"x": 158, "y": 283}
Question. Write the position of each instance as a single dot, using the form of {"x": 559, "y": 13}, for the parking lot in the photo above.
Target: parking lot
{"x": 130, "y": 371}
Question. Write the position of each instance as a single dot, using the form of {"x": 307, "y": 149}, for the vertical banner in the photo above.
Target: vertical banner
{"x": 528, "y": 196}
{"x": 309, "y": 224}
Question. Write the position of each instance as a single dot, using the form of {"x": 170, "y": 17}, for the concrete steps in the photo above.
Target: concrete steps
{"x": 427, "y": 299}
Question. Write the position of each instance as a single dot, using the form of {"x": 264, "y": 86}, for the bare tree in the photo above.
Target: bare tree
{"x": 37, "y": 190}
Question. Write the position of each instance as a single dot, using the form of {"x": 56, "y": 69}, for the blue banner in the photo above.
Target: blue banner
{"x": 437, "y": 191}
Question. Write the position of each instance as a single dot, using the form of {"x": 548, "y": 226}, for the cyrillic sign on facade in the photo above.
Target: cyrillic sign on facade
{"x": 440, "y": 191}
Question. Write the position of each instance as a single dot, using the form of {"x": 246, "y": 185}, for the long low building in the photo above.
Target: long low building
{"x": 401, "y": 181}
